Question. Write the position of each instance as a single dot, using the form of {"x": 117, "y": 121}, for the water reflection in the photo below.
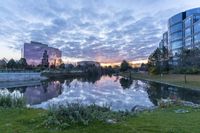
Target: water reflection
{"x": 126, "y": 83}
{"x": 104, "y": 91}
{"x": 157, "y": 91}
{"x": 44, "y": 92}
{"x": 120, "y": 93}
{"x": 39, "y": 93}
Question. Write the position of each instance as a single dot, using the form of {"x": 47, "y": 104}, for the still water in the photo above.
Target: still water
{"x": 117, "y": 92}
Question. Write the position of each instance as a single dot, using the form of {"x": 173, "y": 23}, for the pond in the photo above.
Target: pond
{"x": 117, "y": 92}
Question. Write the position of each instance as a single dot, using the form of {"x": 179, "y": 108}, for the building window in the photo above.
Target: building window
{"x": 197, "y": 38}
{"x": 188, "y": 32}
{"x": 176, "y": 52}
{"x": 188, "y": 22}
{"x": 175, "y": 19}
{"x": 197, "y": 28}
{"x": 177, "y": 27}
{"x": 188, "y": 41}
{"x": 176, "y": 36}
{"x": 177, "y": 44}
{"x": 196, "y": 18}
{"x": 192, "y": 11}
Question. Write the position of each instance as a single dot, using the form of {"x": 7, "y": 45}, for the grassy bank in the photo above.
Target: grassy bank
{"x": 193, "y": 81}
{"x": 160, "y": 120}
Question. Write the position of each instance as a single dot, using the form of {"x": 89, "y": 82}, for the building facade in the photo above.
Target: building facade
{"x": 183, "y": 33}
{"x": 33, "y": 53}
{"x": 164, "y": 41}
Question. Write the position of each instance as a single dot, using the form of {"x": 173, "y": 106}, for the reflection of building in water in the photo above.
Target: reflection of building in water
{"x": 158, "y": 91}
{"x": 44, "y": 92}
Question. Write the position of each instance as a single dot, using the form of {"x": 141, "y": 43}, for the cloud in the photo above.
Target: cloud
{"x": 106, "y": 31}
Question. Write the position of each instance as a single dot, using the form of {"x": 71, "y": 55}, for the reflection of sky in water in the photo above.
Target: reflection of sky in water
{"x": 105, "y": 91}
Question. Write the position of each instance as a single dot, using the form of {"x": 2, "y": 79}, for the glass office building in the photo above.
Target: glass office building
{"x": 183, "y": 32}
{"x": 164, "y": 41}
{"x": 33, "y": 53}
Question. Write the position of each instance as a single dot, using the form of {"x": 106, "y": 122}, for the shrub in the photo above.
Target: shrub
{"x": 166, "y": 103}
{"x": 75, "y": 113}
{"x": 153, "y": 70}
{"x": 11, "y": 100}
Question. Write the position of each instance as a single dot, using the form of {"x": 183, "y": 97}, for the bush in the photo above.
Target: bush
{"x": 153, "y": 70}
{"x": 75, "y": 113}
{"x": 11, "y": 100}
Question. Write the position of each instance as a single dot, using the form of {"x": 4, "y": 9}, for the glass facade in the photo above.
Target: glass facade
{"x": 175, "y": 32}
{"x": 196, "y": 18}
{"x": 188, "y": 32}
{"x": 165, "y": 39}
{"x": 192, "y": 12}
{"x": 177, "y": 44}
{"x": 188, "y": 41}
{"x": 176, "y": 27}
{"x": 176, "y": 36}
{"x": 197, "y": 39}
{"x": 196, "y": 27}
{"x": 183, "y": 32}
{"x": 188, "y": 22}
{"x": 33, "y": 53}
{"x": 175, "y": 19}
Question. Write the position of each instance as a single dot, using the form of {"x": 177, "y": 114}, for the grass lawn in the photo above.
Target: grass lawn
{"x": 193, "y": 81}
{"x": 158, "y": 121}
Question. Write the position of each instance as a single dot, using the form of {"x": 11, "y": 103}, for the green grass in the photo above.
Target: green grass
{"x": 158, "y": 121}
{"x": 9, "y": 101}
{"x": 193, "y": 81}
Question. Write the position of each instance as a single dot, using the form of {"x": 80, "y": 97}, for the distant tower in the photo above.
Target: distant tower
{"x": 45, "y": 61}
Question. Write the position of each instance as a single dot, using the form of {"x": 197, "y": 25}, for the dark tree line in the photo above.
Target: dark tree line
{"x": 189, "y": 58}
{"x": 188, "y": 61}
{"x": 12, "y": 64}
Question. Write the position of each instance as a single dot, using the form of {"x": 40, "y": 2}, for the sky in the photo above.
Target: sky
{"x": 107, "y": 31}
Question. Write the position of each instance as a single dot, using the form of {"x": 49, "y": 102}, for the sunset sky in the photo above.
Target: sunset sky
{"x": 107, "y": 31}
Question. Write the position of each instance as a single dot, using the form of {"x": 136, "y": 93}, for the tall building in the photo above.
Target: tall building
{"x": 33, "y": 53}
{"x": 183, "y": 32}
{"x": 164, "y": 41}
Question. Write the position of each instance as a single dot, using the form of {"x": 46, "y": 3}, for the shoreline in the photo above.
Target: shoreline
{"x": 16, "y": 84}
{"x": 20, "y": 76}
{"x": 145, "y": 77}
{"x": 20, "y": 79}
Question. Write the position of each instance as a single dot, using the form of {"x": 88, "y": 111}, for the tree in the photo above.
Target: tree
{"x": 188, "y": 60}
{"x": 45, "y": 60}
{"x": 155, "y": 57}
{"x": 62, "y": 66}
{"x": 70, "y": 66}
{"x": 11, "y": 64}
{"x": 22, "y": 63}
{"x": 154, "y": 61}
{"x": 124, "y": 66}
{"x": 3, "y": 64}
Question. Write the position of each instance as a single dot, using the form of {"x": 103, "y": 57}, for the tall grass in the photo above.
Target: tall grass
{"x": 76, "y": 113}
{"x": 11, "y": 100}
